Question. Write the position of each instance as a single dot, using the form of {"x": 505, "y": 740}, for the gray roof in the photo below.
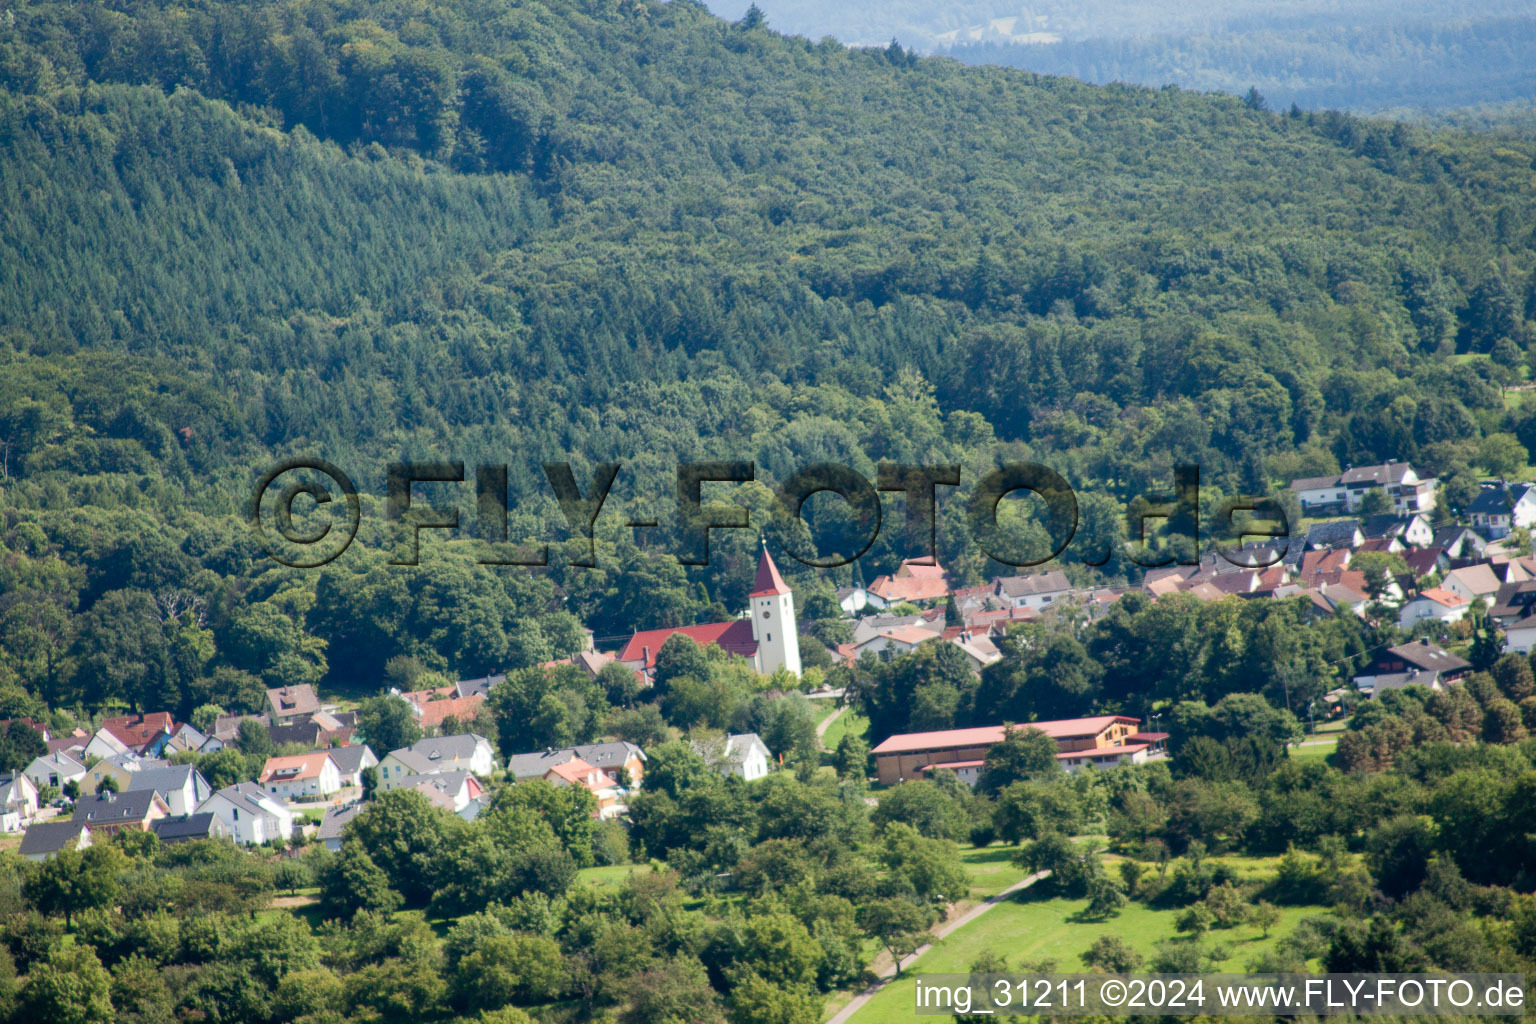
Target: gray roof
{"x": 246, "y": 796}
{"x": 50, "y": 837}
{"x": 115, "y": 808}
{"x": 57, "y": 761}
{"x": 447, "y": 782}
{"x": 1496, "y": 500}
{"x": 535, "y": 764}
{"x": 606, "y": 755}
{"x": 470, "y": 687}
{"x": 350, "y": 758}
{"x": 441, "y": 748}
{"x": 336, "y": 819}
{"x": 8, "y": 782}
{"x": 1429, "y": 656}
{"x": 739, "y": 745}
{"x": 164, "y": 779}
{"x": 1375, "y": 476}
{"x": 1334, "y": 531}
{"x": 1050, "y": 582}
{"x": 1314, "y": 483}
{"x": 1386, "y": 524}
{"x": 183, "y": 827}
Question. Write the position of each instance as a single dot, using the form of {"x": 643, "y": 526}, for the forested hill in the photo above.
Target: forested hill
{"x": 630, "y": 230}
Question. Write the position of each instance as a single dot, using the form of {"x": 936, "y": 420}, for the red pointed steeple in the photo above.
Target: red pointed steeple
{"x": 768, "y": 581}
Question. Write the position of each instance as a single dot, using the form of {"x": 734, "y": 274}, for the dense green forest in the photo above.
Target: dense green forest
{"x": 638, "y": 233}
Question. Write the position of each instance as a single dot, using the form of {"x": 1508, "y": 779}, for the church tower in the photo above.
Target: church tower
{"x": 772, "y": 606}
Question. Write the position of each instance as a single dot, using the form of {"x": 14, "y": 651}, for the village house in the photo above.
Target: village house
{"x": 1036, "y": 590}
{"x": 1332, "y": 534}
{"x": 617, "y": 758}
{"x": 465, "y": 752}
{"x": 119, "y": 768}
{"x": 743, "y": 754}
{"x": 456, "y": 791}
{"x": 18, "y": 801}
{"x": 181, "y": 786}
{"x": 251, "y": 814}
{"x": 287, "y": 703}
{"x": 334, "y": 823}
{"x": 351, "y": 760}
{"x": 894, "y": 642}
{"x": 1481, "y": 582}
{"x": 1418, "y": 662}
{"x": 1412, "y": 528}
{"x": 1499, "y": 509}
{"x": 107, "y": 813}
{"x": 602, "y": 786}
{"x": 47, "y": 839}
{"x": 144, "y": 735}
{"x": 1101, "y": 741}
{"x": 1345, "y": 492}
{"x": 55, "y": 770}
{"x": 1514, "y": 609}
{"x": 916, "y": 581}
{"x": 185, "y": 828}
{"x": 301, "y": 776}
{"x": 1460, "y": 543}
{"x": 1433, "y": 604}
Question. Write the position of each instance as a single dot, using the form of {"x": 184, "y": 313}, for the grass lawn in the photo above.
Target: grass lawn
{"x": 849, "y": 721}
{"x": 1312, "y": 752}
{"x": 1029, "y": 929}
{"x": 610, "y": 876}
{"x": 990, "y": 869}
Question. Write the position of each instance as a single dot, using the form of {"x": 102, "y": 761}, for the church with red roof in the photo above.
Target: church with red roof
{"x": 767, "y": 636}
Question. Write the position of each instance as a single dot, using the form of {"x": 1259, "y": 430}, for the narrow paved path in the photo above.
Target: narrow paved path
{"x": 821, "y": 728}
{"x": 887, "y": 973}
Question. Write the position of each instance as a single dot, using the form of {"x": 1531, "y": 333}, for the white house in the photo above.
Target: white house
{"x": 1412, "y": 528}
{"x": 465, "y": 752}
{"x": 1500, "y": 509}
{"x": 1435, "y": 603}
{"x": 1481, "y": 582}
{"x": 1345, "y": 491}
{"x": 54, "y": 770}
{"x": 50, "y": 838}
{"x": 746, "y": 755}
{"x": 852, "y": 600}
{"x": 1038, "y": 590}
{"x": 894, "y": 642}
{"x": 301, "y": 775}
{"x": 181, "y": 786}
{"x": 351, "y": 760}
{"x": 251, "y": 814}
{"x": 18, "y": 801}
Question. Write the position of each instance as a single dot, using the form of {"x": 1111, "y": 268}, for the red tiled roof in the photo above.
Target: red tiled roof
{"x": 921, "y": 569}
{"x": 734, "y": 637}
{"x": 768, "y": 581}
{"x": 433, "y": 712}
{"x": 138, "y": 730}
{"x": 894, "y": 589}
{"x": 986, "y": 735}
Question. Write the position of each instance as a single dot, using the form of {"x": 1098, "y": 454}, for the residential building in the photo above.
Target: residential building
{"x": 1460, "y": 543}
{"x": 333, "y": 825}
{"x": 186, "y": 828}
{"x": 48, "y": 839}
{"x": 1421, "y": 660}
{"x": 852, "y": 600}
{"x": 55, "y": 770}
{"x": 618, "y": 759}
{"x": 1481, "y": 582}
{"x": 1036, "y": 590}
{"x": 1334, "y": 534}
{"x": 1346, "y": 491}
{"x": 118, "y": 767}
{"x": 351, "y": 760}
{"x": 1102, "y": 740}
{"x": 181, "y": 786}
{"x": 1434, "y": 604}
{"x": 916, "y": 581}
{"x": 600, "y": 784}
{"x": 745, "y": 754}
{"x": 301, "y": 776}
{"x": 144, "y": 735}
{"x": 1412, "y": 528}
{"x": 1499, "y": 509}
{"x": 466, "y": 752}
{"x": 455, "y": 791}
{"x": 287, "y": 703}
{"x": 251, "y": 814}
{"x": 107, "y": 813}
{"x": 18, "y": 801}
{"x": 895, "y": 642}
